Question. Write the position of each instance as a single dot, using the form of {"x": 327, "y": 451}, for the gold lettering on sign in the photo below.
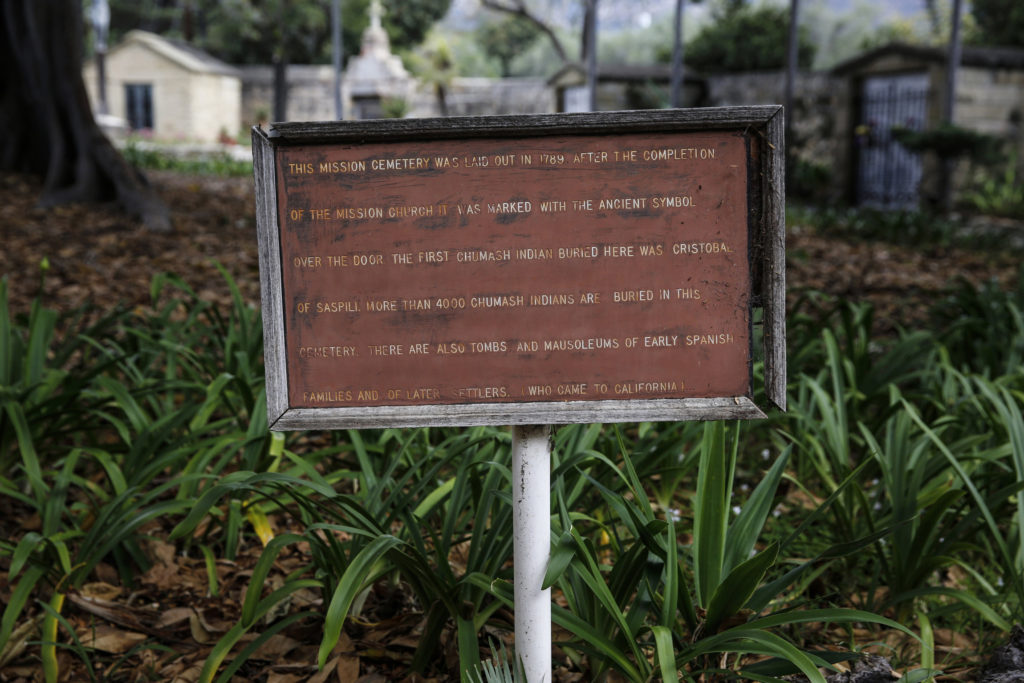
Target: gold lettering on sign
{"x": 691, "y": 248}
{"x": 630, "y": 296}
{"x": 674, "y": 202}
{"x": 661, "y": 341}
{"x": 553, "y": 206}
{"x": 623, "y": 203}
{"x": 306, "y": 261}
{"x": 342, "y": 166}
{"x": 552, "y": 299}
{"x": 520, "y": 206}
{"x": 327, "y": 352}
{"x": 483, "y": 255}
{"x": 590, "y": 344}
{"x": 578, "y": 252}
{"x": 679, "y": 154}
{"x": 417, "y": 304}
{"x": 358, "y": 213}
{"x": 385, "y": 350}
{"x": 709, "y": 339}
{"x": 617, "y": 250}
{"x": 497, "y": 301}
{"x": 531, "y": 254}
{"x": 333, "y": 396}
{"x": 633, "y": 388}
{"x": 411, "y": 272}
{"x": 482, "y": 392}
{"x": 415, "y": 163}
{"x": 337, "y": 307}
{"x": 428, "y": 393}
{"x": 410, "y": 211}
{"x": 500, "y": 346}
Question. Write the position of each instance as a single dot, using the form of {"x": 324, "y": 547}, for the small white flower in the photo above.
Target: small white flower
{"x": 874, "y": 482}
{"x": 676, "y": 514}
{"x": 999, "y": 581}
{"x": 735, "y": 509}
{"x": 744, "y": 487}
{"x": 877, "y": 506}
{"x": 765, "y": 454}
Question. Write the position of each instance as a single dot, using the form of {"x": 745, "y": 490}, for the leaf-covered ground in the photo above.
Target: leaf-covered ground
{"x": 94, "y": 254}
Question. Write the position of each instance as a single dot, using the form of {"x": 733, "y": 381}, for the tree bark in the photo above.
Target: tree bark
{"x": 280, "y": 89}
{"x": 677, "y": 54}
{"x": 47, "y": 124}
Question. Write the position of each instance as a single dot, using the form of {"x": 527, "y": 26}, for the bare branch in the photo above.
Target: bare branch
{"x": 519, "y": 8}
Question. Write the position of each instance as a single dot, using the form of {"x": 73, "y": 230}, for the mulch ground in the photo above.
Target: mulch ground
{"x": 96, "y": 255}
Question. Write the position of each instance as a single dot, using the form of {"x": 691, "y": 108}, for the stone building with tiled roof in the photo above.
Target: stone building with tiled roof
{"x": 169, "y": 89}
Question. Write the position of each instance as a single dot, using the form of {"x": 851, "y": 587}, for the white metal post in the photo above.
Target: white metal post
{"x": 531, "y": 528}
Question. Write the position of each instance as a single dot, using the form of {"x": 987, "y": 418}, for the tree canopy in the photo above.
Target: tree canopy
{"x": 255, "y": 31}
{"x": 999, "y": 22}
{"x": 505, "y": 39}
{"x": 743, "y": 37}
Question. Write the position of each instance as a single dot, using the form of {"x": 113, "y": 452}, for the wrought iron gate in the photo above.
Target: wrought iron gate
{"x": 888, "y": 175}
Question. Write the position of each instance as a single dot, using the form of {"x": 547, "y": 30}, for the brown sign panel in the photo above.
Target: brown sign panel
{"x": 531, "y": 269}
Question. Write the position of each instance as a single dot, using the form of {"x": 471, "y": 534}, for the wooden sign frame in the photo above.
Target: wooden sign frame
{"x": 761, "y": 129}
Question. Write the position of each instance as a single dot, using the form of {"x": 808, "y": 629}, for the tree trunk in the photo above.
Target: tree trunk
{"x": 589, "y": 51}
{"x": 47, "y": 125}
{"x": 280, "y": 89}
{"x": 677, "y": 54}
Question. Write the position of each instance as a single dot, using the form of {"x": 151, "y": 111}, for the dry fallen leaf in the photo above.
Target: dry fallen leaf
{"x": 109, "y": 639}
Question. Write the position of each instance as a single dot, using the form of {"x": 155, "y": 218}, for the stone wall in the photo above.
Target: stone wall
{"x": 311, "y": 95}
{"x": 992, "y": 101}
{"x": 486, "y": 96}
{"x": 820, "y": 123}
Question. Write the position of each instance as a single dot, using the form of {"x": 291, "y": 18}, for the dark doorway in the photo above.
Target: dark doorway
{"x": 138, "y": 99}
{"x": 889, "y": 176}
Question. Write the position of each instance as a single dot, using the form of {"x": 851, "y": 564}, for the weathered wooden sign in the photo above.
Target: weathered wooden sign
{"x": 521, "y": 270}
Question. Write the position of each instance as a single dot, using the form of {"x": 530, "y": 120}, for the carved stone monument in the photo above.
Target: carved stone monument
{"x": 376, "y": 74}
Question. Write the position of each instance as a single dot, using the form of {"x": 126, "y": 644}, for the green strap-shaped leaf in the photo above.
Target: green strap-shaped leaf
{"x": 710, "y": 512}
{"x": 732, "y": 594}
{"x": 561, "y": 556}
{"x": 747, "y": 527}
{"x": 349, "y": 585}
{"x": 18, "y": 599}
{"x": 665, "y": 652}
{"x": 29, "y": 458}
{"x": 736, "y": 640}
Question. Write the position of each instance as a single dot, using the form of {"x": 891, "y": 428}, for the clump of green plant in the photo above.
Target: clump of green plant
{"x": 949, "y": 141}
{"x": 982, "y": 327}
{"x": 899, "y": 461}
{"x": 808, "y": 179}
{"x": 912, "y": 228}
{"x": 997, "y": 193}
{"x": 394, "y": 107}
{"x": 219, "y": 164}
{"x": 93, "y": 419}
